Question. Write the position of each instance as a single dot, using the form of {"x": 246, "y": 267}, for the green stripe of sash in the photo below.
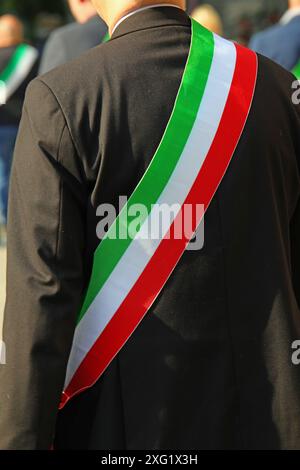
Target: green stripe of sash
{"x": 106, "y": 38}
{"x": 296, "y": 70}
{"x": 13, "y": 63}
{"x": 164, "y": 161}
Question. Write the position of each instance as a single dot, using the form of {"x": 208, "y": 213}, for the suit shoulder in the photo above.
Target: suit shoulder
{"x": 278, "y": 32}
{"x": 90, "y": 66}
{"x": 273, "y": 73}
{"x": 82, "y": 66}
{"x": 60, "y": 33}
{"x": 38, "y": 92}
{"x": 267, "y": 35}
{"x": 40, "y": 108}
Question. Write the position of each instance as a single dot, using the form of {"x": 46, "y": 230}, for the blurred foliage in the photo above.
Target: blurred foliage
{"x": 28, "y": 9}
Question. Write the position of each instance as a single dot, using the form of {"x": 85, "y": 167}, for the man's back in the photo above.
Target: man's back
{"x": 69, "y": 42}
{"x": 280, "y": 43}
{"x": 210, "y": 365}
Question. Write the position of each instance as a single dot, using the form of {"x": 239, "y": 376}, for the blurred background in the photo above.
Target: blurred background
{"x": 39, "y": 16}
{"x": 241, "y": 18}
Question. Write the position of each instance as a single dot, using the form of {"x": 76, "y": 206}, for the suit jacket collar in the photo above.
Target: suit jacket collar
{"x": 152, "y": 18}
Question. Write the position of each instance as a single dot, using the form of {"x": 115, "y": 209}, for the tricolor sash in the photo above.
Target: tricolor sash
{"x": 209, "y": 115}
{"x": 16, "y": 71}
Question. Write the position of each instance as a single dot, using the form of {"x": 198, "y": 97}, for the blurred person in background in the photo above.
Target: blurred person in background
{"x": 70, "y": 41}
{"x": 281, "y": 42}
{"x": 192, "y": 4}
{"x": 18, "y": 66}
{"x": 208, "y": 16}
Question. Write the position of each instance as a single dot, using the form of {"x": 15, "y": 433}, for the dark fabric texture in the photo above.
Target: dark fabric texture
{"x": 69, "y": 42}
{"x": 10, "y": 113}
{"x": 280, "y": 43}
{"x": 210, "y": 365}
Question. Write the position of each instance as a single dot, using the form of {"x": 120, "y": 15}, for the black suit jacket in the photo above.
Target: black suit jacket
{"x": 68, "y": 42}
{"x": 210, "y": 365}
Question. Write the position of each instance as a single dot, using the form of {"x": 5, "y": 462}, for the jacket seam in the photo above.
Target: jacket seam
{"x": 62, "y": 112}
{"x": 60, "y": 194}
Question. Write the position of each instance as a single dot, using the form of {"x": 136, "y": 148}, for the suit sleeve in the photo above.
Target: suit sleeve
{"x": 46, "y": 240}
{"x": 54, "y": 54}
{"x": 295, "y": 251}
{"x": 295, "y": 223}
